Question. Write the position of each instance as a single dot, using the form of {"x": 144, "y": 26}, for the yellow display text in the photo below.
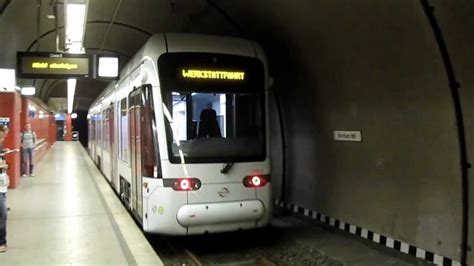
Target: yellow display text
{"x": 210, "y": 74}
{"x": 67, "y": 66}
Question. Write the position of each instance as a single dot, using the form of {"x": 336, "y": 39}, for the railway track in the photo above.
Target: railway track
{"x": 229, "y": 249}
{"x": 249, "y": 257}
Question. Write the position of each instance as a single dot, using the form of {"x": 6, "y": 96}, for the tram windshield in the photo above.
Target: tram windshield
{"x": 215, "y": 126}
{"x": 214, "y": 107}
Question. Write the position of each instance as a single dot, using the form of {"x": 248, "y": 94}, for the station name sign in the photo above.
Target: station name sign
{"x": 348, "y": 136}
{"x": 41, "y": 65}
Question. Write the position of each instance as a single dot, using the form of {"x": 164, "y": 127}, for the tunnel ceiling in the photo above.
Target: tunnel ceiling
{"x": 287, "y": 30}
{"x": 134, "y": 23}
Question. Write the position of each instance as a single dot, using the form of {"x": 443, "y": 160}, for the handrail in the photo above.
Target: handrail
{"x": 40, "y": 143}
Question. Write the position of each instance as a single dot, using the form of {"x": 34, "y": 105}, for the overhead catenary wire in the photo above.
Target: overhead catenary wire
{"x": 38, "y": 23}
{"x": 237, "y": 27}
{"x": 114, "y": 17}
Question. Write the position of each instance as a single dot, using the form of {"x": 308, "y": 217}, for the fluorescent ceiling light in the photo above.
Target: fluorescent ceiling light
{"x": 73, "y": 115}
{"x": 71, "y": 89}
{"x": 108, "y": 67}
{"x": 50, "y": 16}
{"x": 7, "y": 79}
{"x": 75, "y": 22}
{"x": 28, "y": 90}
{"x": 76, "y": 48}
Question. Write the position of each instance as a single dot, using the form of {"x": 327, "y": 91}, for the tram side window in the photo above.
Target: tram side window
{"x": 123, "y": 124}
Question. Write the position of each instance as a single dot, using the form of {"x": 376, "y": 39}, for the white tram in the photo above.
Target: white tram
{"x": 183, "y": 135}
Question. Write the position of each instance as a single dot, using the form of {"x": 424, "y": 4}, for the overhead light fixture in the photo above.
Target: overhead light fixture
{"x": 76, "y": 48}
{"x": 108, "y": 66}
{"x": 28, "y": 91}
{"x": 73, "y": 115}
{"x": 76, "y": 13}
{"x": 76, "y": 17}
{"x": 7, "y": 79}
{"x": 71, "y": 89}
{"x": 51, "y": 16}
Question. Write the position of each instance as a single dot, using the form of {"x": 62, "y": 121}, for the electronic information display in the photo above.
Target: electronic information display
{"x": 211, "y": 74}
{"x": 53, "y": 65}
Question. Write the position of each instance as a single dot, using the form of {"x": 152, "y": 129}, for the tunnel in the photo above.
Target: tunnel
{"x": 369, "y": 119}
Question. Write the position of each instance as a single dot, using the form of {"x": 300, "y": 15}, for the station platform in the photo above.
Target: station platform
{"x": 68, "y": 214}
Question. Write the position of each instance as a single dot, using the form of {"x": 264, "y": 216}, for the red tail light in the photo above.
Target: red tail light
{"x": 256, "y": 180}
{"x": 184, "y": 184}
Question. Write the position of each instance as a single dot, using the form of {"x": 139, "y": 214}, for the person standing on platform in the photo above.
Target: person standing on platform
{"x": 4, "y": 182}
{"x": 28, "y": 142}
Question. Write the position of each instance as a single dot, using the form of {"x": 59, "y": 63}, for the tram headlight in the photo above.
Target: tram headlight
{"x": 184, "y": 184}
{"x": 256, "y": 180}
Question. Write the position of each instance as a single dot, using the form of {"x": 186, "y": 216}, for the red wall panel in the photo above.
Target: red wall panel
{"x": 10, "y": 106}
{"x": 41, "y": 121}
{"x": 21, "y": 110}
{"x": 38, "y": 116}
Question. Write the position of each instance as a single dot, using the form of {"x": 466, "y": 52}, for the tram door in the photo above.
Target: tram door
{"x": 136, "y": 105}
{"x": 98, "y": 138}
{"x": 113, "y": 162}
{"x": 100, "y": 156}
{"x": 92, "y": 137}
{"x": 143, "y": 155}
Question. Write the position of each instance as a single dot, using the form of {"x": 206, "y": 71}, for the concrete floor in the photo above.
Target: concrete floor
{"x": 67, "y": 214}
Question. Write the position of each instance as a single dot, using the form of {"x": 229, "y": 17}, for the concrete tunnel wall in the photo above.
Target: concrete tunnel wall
{"x": 457, "y": 21}
{"x": 375, "y": 67}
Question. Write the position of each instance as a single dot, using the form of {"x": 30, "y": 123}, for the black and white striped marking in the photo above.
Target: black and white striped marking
{"x": 372, "y": 236}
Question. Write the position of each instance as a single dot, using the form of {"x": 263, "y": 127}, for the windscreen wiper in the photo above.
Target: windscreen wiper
{"x": 227, "y": 167}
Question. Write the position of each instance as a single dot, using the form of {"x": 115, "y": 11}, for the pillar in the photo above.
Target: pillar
{"x": 68, "y": 136}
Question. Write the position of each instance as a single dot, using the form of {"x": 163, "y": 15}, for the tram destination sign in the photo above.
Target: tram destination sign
{"x": 212, "y": 74}
{"x": 45, "y": 65}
